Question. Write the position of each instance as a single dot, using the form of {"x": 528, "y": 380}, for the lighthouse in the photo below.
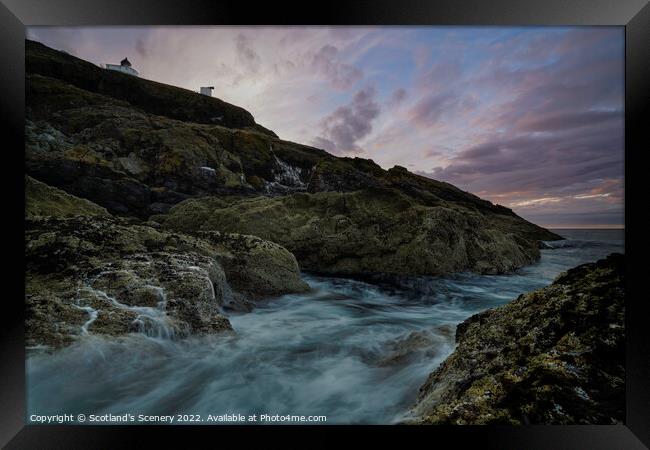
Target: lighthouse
{"x": 124, "y": 67}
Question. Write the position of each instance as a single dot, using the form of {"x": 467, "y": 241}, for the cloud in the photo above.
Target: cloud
{"x": 536, "y": 161}
{"x": 246, "y": 54}
{"x": 66, "y": 39}
{"x": 514, "y": 115}
{"x": 141, "y": 48}
{"x": 547, "y": 130}
{"x": 441, "y": 76}
{"x": 342, "y": 129}
{"x": 568, "y": 120}
{"x": 339, "y": 75}
{"x": 441, "y": 94}
{"x": 430, "y": 110}
{"x": 397, "y": 97}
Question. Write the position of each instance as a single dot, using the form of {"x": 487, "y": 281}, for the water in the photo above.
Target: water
{"x": 351, "y": 351}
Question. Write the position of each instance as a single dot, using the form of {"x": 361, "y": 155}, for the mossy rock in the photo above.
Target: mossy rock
{"x": 379, "y": 230}
{"x": 255, "y": 267}
{"x": 44, "y": 200}
{"x": 553, "y": 356}
{"x": 102, "y": 275}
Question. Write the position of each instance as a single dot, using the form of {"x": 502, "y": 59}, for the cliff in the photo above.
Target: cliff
{"x": 149, "y": 96}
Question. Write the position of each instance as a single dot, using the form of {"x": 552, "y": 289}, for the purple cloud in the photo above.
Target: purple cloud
{"x": 428, "y": 110}
{"x": 550, "y": 139}
{"x": 339, "y": 75}
{"x": 341, "y": 130}
{"x": 397, "y": 97}
{"x": 569, "y": 120}
{"x": 531, "y": 118}
{"x": 441, "y": 76}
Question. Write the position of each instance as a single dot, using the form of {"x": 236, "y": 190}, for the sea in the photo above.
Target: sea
{"x": 348, "y": 352}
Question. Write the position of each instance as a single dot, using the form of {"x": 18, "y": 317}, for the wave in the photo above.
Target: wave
{"x": 575, "y": 243}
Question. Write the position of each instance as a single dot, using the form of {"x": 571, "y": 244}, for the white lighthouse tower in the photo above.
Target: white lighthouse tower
{"x": 124, "y": 67}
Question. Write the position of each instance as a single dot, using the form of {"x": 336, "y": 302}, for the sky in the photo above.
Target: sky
{"x": 531, "y": 118}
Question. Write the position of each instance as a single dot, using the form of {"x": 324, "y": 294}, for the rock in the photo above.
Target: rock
{"x": 544, "y": 246}
{"x": 372, "y": 230}
{"x": 421, "y": 344}
{"x": 552, "y": 356}
{"x": 168, "y": 160}
{"x": 44, "y": 200}
{"x": 52, "y": 318}
{"x": 100, "y": 184}
{"x": 255, "y": 267}
{"x": 42, "y": 138}
{"x": 341, "y": 176}
{"x": 102, "y": 275}
{"x": 124, "y": 278}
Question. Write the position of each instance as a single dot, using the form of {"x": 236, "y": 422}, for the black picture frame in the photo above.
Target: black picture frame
{"x": 15, "y": 15}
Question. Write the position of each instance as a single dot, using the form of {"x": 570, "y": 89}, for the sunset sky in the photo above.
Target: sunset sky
{"x": 530, "y": 118}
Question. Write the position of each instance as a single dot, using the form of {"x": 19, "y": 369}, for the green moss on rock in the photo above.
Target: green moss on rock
{"x": 553, "y": 356}
{"x": 371, "y": 231}
{"x": 44, "y": 200}
{"x": 90, "y": 274}
{"x": 255, "y": 267}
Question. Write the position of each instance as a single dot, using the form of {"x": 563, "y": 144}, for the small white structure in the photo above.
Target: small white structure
{"x": 124, "y": 67}
{"x": 207, "y": 90}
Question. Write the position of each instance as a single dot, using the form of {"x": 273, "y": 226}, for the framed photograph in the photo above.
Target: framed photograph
{"x": 408, "y": 219}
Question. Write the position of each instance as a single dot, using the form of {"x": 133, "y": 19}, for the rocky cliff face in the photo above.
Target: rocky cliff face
{"x": 553, "y": 356}
{"x": 139, "y": 148}
{"x": 136, "y": 163}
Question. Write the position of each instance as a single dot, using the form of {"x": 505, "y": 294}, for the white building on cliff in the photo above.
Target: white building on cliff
{"x": 124, "y": 67}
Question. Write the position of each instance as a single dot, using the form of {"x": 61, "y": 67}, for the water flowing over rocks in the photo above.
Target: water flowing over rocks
{"x": 422, "y": 344}
{"x": 552, "y": 356}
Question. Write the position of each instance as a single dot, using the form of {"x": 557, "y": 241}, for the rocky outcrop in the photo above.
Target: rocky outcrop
{"x": 90, "y": 273}
{"x": 370, "y": 231}
{"x": 101, "y": 276}
{"x": 255, "y": 267}
{"x": 345, "y": 175}
{"x": 553, "y": 356}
